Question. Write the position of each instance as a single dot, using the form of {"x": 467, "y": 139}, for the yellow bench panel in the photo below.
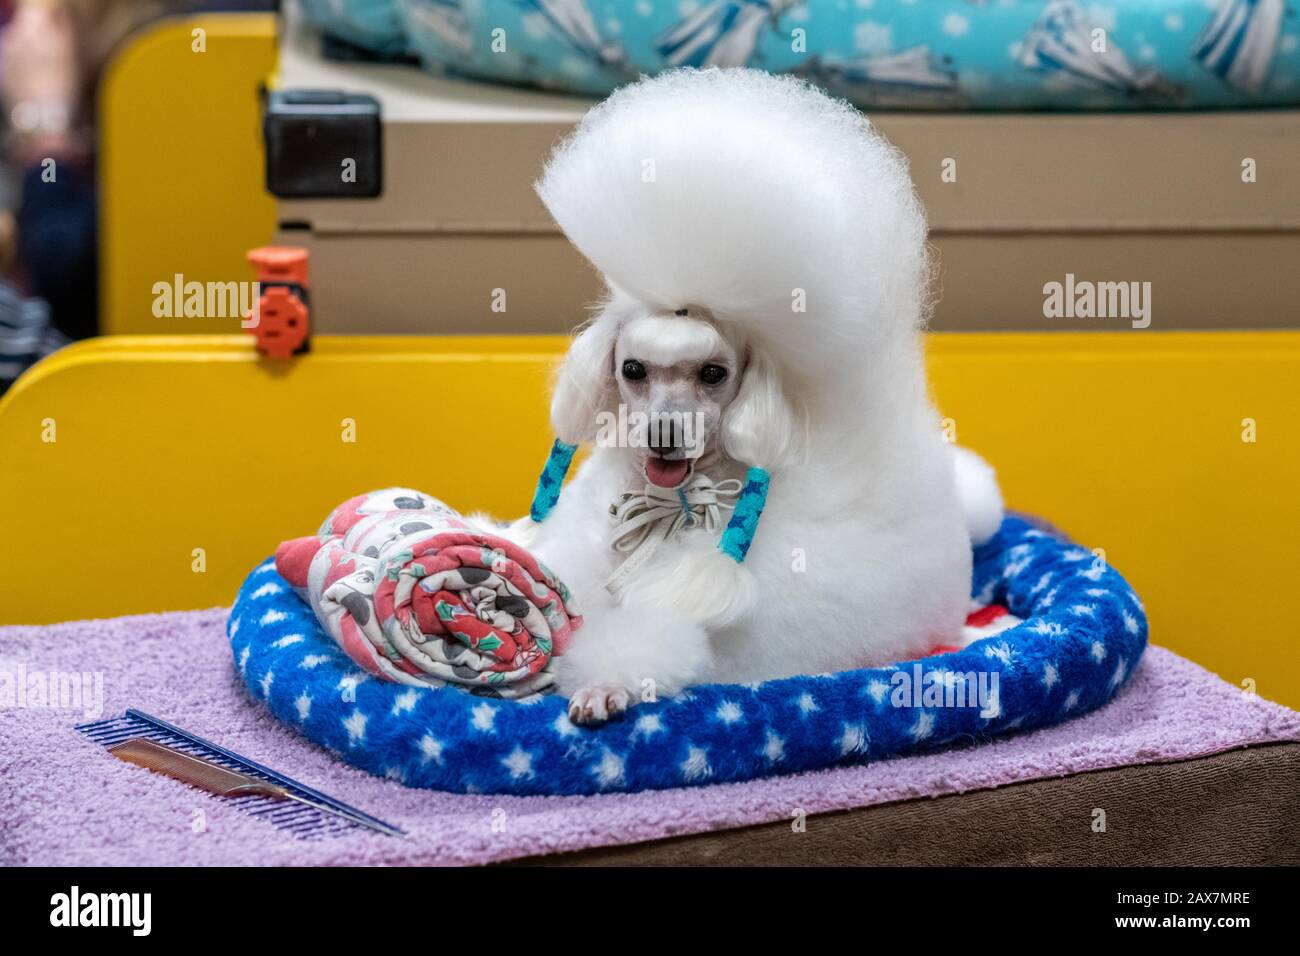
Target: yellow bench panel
{"x": 1131, "y": 442}
{"x": 181, "y": 165}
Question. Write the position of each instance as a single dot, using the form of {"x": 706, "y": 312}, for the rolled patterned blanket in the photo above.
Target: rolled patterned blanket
{"x": 413, "y": 593}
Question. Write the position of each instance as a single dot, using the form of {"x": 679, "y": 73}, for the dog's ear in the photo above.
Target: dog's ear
{"x": 584, "y": 384}
{"x": 760, "y": 427}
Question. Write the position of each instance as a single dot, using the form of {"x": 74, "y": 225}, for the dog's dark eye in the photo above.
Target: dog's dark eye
{"x": 633, "y": 370}
{"x": 713, "y": 375}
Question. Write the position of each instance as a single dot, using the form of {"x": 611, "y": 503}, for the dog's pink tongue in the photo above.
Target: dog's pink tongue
{"x": 666, "y": 474}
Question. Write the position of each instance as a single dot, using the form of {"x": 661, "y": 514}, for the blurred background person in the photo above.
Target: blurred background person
{"x": 52, "y": 54}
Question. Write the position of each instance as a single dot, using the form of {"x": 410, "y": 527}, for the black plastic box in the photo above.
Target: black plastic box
{"x": 323, "y": 144}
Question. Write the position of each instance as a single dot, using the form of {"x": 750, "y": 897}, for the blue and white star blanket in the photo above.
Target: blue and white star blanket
{"x": 1081, "y": 634}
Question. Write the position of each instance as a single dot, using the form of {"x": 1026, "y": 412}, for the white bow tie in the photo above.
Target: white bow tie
{"x": 643, "y": 520}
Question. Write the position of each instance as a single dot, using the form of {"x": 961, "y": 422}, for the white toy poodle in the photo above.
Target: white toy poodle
{"x": 765, "y": 257}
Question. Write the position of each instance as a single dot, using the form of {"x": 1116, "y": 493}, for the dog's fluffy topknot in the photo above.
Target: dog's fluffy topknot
{"x": 744, "y": 192}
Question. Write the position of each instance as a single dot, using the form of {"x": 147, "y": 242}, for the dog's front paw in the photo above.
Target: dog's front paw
{"x": 592, "y": 706}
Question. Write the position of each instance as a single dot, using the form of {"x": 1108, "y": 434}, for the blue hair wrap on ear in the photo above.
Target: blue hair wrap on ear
{"x": 739, "y": 533}
{"x": 552, "y": 478}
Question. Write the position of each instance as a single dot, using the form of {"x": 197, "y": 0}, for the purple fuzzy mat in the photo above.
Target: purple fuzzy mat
{"x": 64, "y": 800}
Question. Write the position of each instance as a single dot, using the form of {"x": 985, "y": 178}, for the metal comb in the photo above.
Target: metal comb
{"x": 149, "y": 742}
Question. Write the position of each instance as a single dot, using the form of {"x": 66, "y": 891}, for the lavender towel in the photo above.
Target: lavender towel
{"x": 64, "y": 801}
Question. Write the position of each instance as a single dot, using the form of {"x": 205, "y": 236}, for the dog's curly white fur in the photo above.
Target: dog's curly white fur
{"x": 789, "y": 232}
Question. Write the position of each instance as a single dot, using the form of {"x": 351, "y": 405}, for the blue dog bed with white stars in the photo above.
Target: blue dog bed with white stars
{"x": 1082, "y": 634}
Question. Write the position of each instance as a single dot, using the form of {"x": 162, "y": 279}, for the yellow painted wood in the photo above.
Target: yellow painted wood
{"x": 1133, "y": 442}
{"x": 1129, "y": 441}
{"x": 181, "y": 165}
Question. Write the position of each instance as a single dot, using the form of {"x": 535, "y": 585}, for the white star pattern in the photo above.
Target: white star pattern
{"x": 1072, "y": 701}
{"x": 243, "y": 660}
{"x": 1019, "y": 558}
{"x": 924, "y": 726}
{"x": 1043, "y": 582}
{"x": 484, "y": 718}
{"x": 774, "y": 747}
{"x": 1098, "y": 651}
{"x": 878, "y": 689}
{"x": 267, "y": 680}
{"x": 806, "y": 704}
{"x": 304, "y": 706}
{"x": 404, "y": 702}
{"x": 313, "y": 660}
{"x": 696, "y": 765}
{"x": 519, "y": 763}
{"x": 355, "y": 725}
{"x": 563, "y": 727}
{"x": 1049, "y": 676}
{"x": 1048, "y": 629}
{"x": 234, "y": 627}
{"x": 1083, "y": 610}
{"x": 648, "y": 725}
{"x": 609, "y": 771}
{"x": 272, "y": 617}
{"x": 287, "y": 641}
{"x": 430, "y": 749}
{"x": 1130, "y": 622}
{"x": 267, "y": 589}
{"x": 1001, "y": 652}
{"x": 853, "y": 740}
{"x": 1121, "y": 670}
{"x": 1014, "y": 569}
{"x": 729, "y": 712}
{"x": 348, "y": 684}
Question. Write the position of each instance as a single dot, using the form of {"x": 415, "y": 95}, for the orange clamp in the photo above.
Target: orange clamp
{"x": 282, "y": 322}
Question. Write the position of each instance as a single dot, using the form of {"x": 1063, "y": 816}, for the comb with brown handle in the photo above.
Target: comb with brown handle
{"x": 216, "y": 779}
